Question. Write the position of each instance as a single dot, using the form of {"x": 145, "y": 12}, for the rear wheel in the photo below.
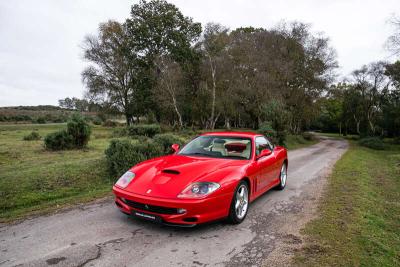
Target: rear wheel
{"x": 283, "y": 177}
{"x": 240, "y": 204}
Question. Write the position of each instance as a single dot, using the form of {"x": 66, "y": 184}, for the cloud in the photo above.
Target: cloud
{"x": 41, "y": 58}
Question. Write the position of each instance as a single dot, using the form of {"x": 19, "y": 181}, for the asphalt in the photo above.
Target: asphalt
{"x": 99, "y": 235}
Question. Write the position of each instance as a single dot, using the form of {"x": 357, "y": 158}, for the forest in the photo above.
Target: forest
{"x": 161, "y": 66}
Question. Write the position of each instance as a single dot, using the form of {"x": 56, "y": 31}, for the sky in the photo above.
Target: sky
{"x": 41, "y": 58}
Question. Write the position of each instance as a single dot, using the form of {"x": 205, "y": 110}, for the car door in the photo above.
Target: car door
{"x": 265, "y": 165}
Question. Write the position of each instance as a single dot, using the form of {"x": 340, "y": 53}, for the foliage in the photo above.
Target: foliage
{"x": 80, "y": 131}
{"x": 76, "y": 135}
{"x": 165, "y": 141}
{"x": 148, "y": 130}
{"x": 372, "y": 142}
{"x": 121, "y": 155}
{"x": 33, "y": 136}
{"x": 308, "y": 136}
{"x": 110, "y": 123}
{"x": 60, "y": 140}
{"x": 41, "y": 120}
{"x": 267, "y": 130}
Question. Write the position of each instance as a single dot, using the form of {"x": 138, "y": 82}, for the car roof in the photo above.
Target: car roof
{"x": 234, "y": 134}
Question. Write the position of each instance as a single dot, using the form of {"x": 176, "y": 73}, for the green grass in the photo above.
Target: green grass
{"x": 36, "y": 181}
{"x": 33, "y": 180}
{"x": 297, "y": 141}
{"x": 359, "y": 222}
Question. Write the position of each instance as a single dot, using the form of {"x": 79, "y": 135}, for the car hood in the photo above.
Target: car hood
{"x": 167, "y": 176}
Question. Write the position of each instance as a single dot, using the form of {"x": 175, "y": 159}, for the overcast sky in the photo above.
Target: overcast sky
{"x": 41, "y": 59}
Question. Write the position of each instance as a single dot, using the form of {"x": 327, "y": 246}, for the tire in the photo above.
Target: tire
{"x": 239, "y": 207}
{"x": 282, "y": 177}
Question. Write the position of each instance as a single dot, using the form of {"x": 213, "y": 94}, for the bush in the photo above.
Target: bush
{"x": 58, "y": 140}
{"x": 372, "y": 142}
{"x": 41, "y": 120}
{"x": 119, "y": 132}
{"x": 76, "y": 135}
{"x": 97, "y": 121}
{"x": 148, "y": 130}
{"x": 121, "y": 155}
{"x": 276, "y": 137}
{"x": 110, "y": 123}
{"x": 308, "y": 136}
{"x": 80, "y": 130}
{"x": 165, "y": 141}
{"x": 33, "y": 136}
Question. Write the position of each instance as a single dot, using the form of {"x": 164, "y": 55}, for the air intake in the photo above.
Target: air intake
{"x": 171, "y": 171}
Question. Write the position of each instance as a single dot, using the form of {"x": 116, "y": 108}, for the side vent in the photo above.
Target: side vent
{"x": 171, "y": 171}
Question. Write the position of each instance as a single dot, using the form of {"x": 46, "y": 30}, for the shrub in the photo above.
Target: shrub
{"x": 58, "y": 140}
{"x": 148, "y": 130}
{"x": 80, "y": 131}
{"x": 76, "y": 135}
{"x": 121, "y": 155}
{"x": 165, "y": 141}
{"x": 119, "y": 132}
{"x": 33, "y": 136}
{"x": 372, "y": 142}
{"x": 110, "y": 123}
{"x": 97, "y": 121}
{"x": 276, "y": 137}
{"x": 308, "y": 136}
{"x": 41, "y": 120}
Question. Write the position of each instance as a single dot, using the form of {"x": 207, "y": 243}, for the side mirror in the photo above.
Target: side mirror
{"x": 175, "y": 148}
{"x": 263, "y": 153}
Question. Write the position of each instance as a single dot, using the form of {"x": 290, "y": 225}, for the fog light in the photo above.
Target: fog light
{"x": 181, "y": 211}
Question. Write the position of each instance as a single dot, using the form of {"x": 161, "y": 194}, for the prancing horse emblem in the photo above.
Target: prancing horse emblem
{"x": 146, "y": 206}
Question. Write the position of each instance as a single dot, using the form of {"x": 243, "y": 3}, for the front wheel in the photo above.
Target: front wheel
{"x": 283, "y": 177}
{"x": 240, "y": 204}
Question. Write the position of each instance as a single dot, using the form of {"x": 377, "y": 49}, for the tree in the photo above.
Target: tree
{"x": 393, "y": 42}
{"x": 66, "y": 103}
{"x": 170, "y": 85}
{"x": 213, "y": 44}
{"x": 114, "y": 74}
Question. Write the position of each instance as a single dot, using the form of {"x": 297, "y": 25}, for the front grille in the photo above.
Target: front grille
{"x": 151, "y": 208}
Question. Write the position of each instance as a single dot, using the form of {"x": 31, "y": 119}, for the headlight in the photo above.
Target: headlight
{"x": 125, "y": 179}
{"x": 199, "y": 190}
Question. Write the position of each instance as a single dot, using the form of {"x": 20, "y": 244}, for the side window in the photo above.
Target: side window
{"x": 262, "y": 143}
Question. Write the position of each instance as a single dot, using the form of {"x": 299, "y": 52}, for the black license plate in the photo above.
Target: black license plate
{"x": 146, "y": 216}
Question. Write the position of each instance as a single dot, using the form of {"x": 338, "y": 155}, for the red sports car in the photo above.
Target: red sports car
{"x": 214, "y": 176}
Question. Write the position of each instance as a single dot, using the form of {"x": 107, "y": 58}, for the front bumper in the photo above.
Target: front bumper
{"x": 196, "y": 210}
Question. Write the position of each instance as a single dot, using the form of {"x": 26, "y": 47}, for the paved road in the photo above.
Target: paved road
{"x": 99, "y": 235}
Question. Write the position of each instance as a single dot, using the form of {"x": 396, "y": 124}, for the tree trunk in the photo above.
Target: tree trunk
{"x": 213, "y": 94}
{"x": 227, "y": 123}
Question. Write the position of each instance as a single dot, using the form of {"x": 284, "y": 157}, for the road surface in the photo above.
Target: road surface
{"x": 99, "y": 235}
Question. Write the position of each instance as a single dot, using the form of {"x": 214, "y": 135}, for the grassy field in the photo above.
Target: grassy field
{"x": 359, "y": 222}
{"x": 35, "y": 181}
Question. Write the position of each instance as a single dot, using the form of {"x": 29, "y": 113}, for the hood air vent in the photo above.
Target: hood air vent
{"x": 170, "y": 171}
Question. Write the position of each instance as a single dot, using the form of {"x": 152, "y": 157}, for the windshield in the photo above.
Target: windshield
{"x": 218, "y": 147}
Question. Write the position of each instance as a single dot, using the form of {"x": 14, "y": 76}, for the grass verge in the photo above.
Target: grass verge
{"x": 359, "y": 222}
{"x": 298, "y": 141}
